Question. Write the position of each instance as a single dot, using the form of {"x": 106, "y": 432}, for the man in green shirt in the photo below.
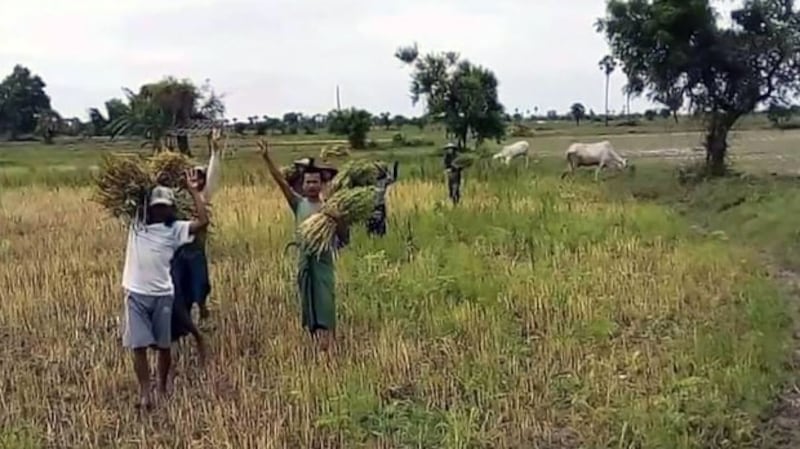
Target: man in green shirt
{"x": 315, "y": 275}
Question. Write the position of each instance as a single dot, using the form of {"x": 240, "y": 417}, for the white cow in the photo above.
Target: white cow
{"x": 600, "y": 154}
{"x": 513, "y": 151}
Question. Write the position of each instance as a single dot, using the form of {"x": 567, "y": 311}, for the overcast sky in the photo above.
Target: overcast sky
{"x": 272, "y": 56}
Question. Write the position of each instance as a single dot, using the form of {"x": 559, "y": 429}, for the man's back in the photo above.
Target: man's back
{"x": 148, "y": 255}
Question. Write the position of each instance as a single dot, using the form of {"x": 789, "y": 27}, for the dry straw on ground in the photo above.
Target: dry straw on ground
{"x": 533, "y": 315}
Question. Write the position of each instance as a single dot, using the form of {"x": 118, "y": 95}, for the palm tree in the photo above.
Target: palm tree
{"x": 608, "y": 64}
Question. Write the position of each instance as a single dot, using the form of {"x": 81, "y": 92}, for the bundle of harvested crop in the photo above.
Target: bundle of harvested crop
{"x": 169, "y": 167}
{"x": 356, "y": 173}
{"x": 464, "y": 160}
{"x": 123, "y": 183}
{"x": 345, "y": 207}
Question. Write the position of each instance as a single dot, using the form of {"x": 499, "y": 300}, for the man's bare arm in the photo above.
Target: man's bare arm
{"x": 213, "y": 172}
{"x": 291, "y": 196}
{"x": 201, "y": 221}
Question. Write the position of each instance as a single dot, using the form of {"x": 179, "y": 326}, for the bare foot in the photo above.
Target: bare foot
{"x": 202, "y": 353}
{"x": 145, "y": 403}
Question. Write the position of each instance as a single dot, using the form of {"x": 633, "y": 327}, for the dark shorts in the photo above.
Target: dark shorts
{"x": 190, "y": 274}
{"x": 192, "y": 286}
{"x": 376, "y": 225}
{"x": 454, "y": 184}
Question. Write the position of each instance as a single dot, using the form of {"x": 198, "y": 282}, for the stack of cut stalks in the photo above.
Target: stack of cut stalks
{"x": 352, "y": 201}
{"x": 124, "y": 182}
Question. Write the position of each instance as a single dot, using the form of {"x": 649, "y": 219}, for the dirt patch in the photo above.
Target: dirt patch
{"x": 781, "y": 426}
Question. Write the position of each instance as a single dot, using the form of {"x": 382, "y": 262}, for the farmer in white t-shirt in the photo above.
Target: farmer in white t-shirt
{"x": 152, "y": 241}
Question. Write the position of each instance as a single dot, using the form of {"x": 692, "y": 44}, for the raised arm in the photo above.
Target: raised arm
{"x": 201, "y": 221}
{"x": 213, "y": 172}
{"x": 291, "y": 196}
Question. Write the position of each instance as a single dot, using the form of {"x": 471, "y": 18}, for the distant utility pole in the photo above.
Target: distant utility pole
{"x": 338, "y": 102}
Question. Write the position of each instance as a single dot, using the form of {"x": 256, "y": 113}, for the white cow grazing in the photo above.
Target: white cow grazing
{"x": 600, "y": 154}
{"x": 513, "y": 151}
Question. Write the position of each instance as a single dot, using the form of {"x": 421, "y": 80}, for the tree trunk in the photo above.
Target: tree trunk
{"x": 628, "y": 104}
{"x": 607, "y": 79}
{"x": 675, "y": 116}
{"x": 717, "y": 142}
{"x": 183, "y": 144}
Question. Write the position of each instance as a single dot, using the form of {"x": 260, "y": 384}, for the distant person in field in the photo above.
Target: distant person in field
{"x": 376, "y": 225}
{"x": 315, "y": 275}
{"x": 453, "y": 173}
{"x": 150, "y": 292}
{"x": 190, "y": 264}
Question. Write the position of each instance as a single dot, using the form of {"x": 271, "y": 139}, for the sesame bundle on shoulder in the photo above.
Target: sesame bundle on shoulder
{"x": 347, "y": 206}
{"x": 464, "y": 160}
{"x": 357, "y": 173}
{"x": 123, "y": 183}
{"x": 352, "y": 200}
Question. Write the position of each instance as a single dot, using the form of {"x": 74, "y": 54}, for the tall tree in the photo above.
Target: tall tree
{"x": 116, "y": 108}
{"x": 578, "y": 112}
{"x": 161, "y": 106}
{"x": 460, "y": 94}
{"x": 22, "y": 100}
{"x": 99, "y": 124}
{"x": 353, "y": 123}
{"x": 607, "y": 64}
{"x": 725, "y": 72}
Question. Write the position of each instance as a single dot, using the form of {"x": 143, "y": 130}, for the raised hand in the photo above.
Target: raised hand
{"x": 190, "y": 180}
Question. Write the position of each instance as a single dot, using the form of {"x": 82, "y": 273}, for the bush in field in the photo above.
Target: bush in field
{"x": 519, "y": 130}
{"x": 353, "y": 123}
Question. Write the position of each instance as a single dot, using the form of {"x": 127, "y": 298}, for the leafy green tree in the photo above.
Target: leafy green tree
{"x": 399, "y": 121}
{"x": 158, "y": 107}
{"x": 48, "y": 125}
{"x": 353, "y": 123}
{"x": 650, "y": 115}
{"x": 22, "y": 101}
{"x": 578, "y": 112}
{"x": 291, "y": 121}
{"x": 98, "y": 122}
{"x": 724, "y": 72}
{"x": 385, "y": 120}
{"x": 145, "y": 117}
{"x": 460, "y": 94}
{"x": 116, "y": 108}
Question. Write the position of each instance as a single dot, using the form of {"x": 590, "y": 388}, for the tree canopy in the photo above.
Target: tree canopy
{"x": 353, "y": 123}
{"x": 677, "y": 48}
{"x": 162, "y": 105}
{"x": 22, "y": 101}
{"x": 460, "y": 94}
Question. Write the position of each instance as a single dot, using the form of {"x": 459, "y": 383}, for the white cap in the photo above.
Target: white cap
{"x": 161, "y": 195}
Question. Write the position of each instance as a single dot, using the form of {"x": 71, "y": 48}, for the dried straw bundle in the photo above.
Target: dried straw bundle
{"x": 347, "y": 206}
{"x": 168, "y": 168}
{"x": 357, "y": 173}
{"x": 124, "y": 182}
{"x": 464, "y": 160}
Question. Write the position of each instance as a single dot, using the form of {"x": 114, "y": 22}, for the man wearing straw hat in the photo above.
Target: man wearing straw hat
{"x": 152, "y": 241}
{"x": 315, "y": 275}
{"x": 453, "y": 172}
